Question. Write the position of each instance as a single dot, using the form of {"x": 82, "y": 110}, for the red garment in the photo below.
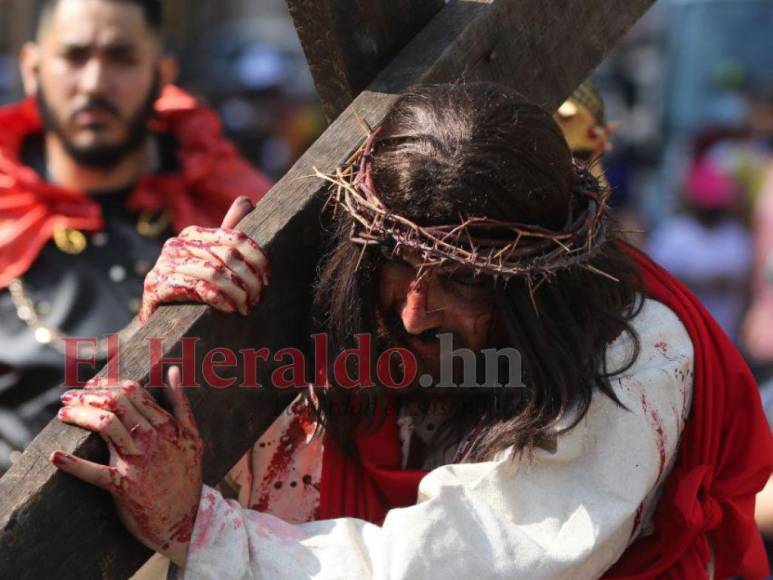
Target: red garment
{"x": 212, "y": 174}
{"x": 367, "y": 490}
{"x": 725, "y": 458}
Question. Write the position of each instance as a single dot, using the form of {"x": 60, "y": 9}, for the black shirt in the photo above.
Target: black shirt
{"x": 89, "y": 294}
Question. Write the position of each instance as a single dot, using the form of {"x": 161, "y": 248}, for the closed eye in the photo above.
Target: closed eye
{"x": 394, "y": 257}
{"x": 468, "y": 279}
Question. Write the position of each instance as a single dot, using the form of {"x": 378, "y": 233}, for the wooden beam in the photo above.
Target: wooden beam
{"x": 53, "y": 526}
{"x": 347, "y": 42}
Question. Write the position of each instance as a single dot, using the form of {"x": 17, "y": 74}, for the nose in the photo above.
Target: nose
{"x": 420, "y": 311}
{"x": 93, "y": 77}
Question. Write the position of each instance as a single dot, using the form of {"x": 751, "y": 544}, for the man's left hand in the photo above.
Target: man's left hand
{"x": 154, "y": 472}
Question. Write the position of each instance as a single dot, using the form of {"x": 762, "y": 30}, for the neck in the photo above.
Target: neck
{"x": 64, "y": 171}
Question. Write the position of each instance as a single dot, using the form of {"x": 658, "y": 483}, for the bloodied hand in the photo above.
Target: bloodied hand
{"x": 154, "y": 473}
{"x": 221, "y": 267}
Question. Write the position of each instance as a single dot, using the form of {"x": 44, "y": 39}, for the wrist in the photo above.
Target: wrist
{"x": 177, "y": 552}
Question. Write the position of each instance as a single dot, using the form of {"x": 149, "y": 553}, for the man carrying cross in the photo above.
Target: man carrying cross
{"x": 463, "y": 215}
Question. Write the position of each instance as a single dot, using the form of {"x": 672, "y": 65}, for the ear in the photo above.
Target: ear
{"x": 610, "y": 127}
{"x": 29, "y": 65}
{"x": 168, "y": 69}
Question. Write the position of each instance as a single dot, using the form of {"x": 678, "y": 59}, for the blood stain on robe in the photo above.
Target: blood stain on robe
{"x": 657, "y": 424}
{"x": 291, "y": 440}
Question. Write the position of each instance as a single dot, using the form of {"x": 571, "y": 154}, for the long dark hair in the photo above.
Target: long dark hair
{"x": 481, "y": 149}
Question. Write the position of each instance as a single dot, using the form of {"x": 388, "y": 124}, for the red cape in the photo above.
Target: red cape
{"x": 212, "y": 174}
{"x": 725, "y": 458}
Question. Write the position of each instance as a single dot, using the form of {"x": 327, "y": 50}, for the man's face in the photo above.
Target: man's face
{"x": 95, "y": 70}
{"x": 586, "y": 138}
{"x": 415, "y": 307}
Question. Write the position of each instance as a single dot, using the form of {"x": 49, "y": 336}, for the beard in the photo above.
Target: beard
{"x": 453, "y": 410}
{"x": 103, "y": 157}
{"x": 390, "y": 333}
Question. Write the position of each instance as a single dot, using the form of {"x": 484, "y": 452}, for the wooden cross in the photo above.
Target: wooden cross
{"x": 53, "y": 526}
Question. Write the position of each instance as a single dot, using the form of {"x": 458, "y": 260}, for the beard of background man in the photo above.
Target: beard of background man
{"x": 103, "y": 157}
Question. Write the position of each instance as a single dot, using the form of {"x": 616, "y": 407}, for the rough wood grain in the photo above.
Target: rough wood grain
{"x": 347, "y": 42}
{"x": 54, "y": 527}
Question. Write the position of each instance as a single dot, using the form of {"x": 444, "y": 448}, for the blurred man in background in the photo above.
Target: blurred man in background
{"x": 98, "y": 167}
{"x": 758, "y": 323}
{"x": 707, "y": 246}
{"x": 581, "y": 118}
{"x": 583, "y": 121}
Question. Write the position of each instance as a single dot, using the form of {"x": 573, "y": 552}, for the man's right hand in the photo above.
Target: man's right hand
{"x": 221, "y": 267}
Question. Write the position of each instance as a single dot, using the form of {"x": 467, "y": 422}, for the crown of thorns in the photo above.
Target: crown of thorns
{"x": 487, "y": 246}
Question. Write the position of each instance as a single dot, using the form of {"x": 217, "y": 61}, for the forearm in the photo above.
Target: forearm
{"x": 474, "y": 521}
{"x": 176, "y": 552}
{"x": 763, "y": 513}
{"x": 232, "y": 543}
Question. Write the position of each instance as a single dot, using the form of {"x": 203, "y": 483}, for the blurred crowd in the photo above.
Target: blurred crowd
{"x": 690, "y": 94}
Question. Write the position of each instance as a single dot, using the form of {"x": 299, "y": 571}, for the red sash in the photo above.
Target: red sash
{"x": 725, "y": 458}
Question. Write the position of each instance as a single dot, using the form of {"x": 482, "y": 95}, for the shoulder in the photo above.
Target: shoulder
{"x": 629, "y": 448}
{"x": 660, "y": 379}
{"x": 656, "y": 389}
{"x": 17, "y": 121}
{"x": 663, "y": 340}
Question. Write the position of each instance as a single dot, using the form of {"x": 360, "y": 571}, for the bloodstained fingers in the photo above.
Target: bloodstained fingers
{"x": 253, "y": 275}
{"x": 219, "y": 276}
{"x": 150, "y": 295}
{"x": 254, "y": 257}
{"x": 174, "y": 287}
{"x": 249, "y": 248}
{"x": 106, "y": 423}
{"x": 98, "y": 382}
{"x": 210, "y": 294}
{"x": 161, "y": 285}
{"x": 230, "y": 261}
{"x": 114, "y": 400}
{"x": 179, "y": 402}
{"x": 147, "y": 406}
{"x": 173, "y": 248}
{"x": 100, "y": 475}
{"x": 241, "y": 206}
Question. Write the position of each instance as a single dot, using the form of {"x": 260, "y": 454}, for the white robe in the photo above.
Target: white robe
{"x": 569, "y": 512}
